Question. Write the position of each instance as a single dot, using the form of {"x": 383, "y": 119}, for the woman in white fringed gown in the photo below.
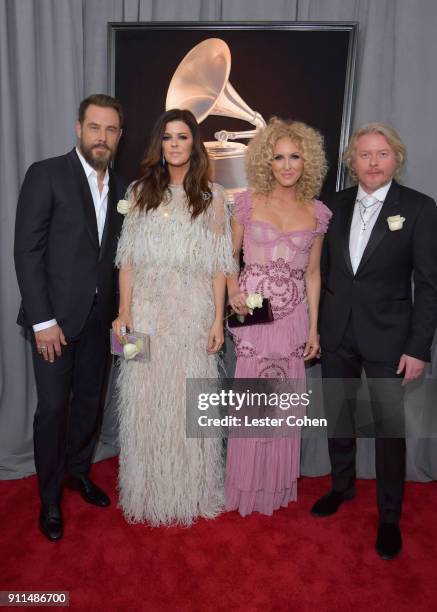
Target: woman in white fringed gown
{"x": 174, "y": 252}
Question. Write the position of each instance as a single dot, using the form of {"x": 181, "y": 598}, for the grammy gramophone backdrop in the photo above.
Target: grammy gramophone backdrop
{"x": 233, "y": 77}
{"x": 53, "y": 54}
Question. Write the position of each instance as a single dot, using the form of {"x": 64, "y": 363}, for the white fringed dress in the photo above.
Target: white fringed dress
{"x": 164, "y": 476}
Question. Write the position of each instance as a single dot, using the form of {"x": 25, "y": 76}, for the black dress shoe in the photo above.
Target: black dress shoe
{"x": 330, "y": 503}
{"x": 89, "y": 491}
{"x": 50, "y": 522}
{"x": 389, "y": 541}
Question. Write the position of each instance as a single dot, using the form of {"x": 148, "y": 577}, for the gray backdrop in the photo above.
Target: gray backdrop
{"x": 53, "y": 53}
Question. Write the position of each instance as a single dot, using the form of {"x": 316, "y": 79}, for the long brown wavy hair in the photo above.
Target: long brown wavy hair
{"x": 152, "y": 186}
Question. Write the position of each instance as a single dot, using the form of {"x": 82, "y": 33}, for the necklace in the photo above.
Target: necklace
{"x": 362, "y": 209}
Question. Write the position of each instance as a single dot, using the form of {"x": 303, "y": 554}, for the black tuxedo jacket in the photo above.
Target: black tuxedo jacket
{"x": 58, "y": 260}
{"x": 389, "y": 319}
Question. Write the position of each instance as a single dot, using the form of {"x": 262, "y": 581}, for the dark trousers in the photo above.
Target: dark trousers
{"x": 70, "y": 404}
{"x": 347, "y": 363}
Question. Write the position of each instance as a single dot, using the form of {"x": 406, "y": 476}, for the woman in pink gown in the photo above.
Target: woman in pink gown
{"x": 280, "y": 226}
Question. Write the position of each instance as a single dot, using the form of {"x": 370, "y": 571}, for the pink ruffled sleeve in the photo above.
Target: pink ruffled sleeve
{"x": 242, "y": 208}
{"x": 323, "y": 215}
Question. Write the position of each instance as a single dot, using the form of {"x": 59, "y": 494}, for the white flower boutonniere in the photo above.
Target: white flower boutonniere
{"x": 395, "y": 222}
{"x": 123, "y": 207}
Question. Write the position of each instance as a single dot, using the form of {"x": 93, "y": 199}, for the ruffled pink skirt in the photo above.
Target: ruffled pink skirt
{"x": 262, "y": 473}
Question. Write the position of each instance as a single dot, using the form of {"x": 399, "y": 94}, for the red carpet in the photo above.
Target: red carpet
{"x": 287, "y": 562}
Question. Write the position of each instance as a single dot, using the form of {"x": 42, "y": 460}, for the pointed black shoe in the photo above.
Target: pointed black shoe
{"x": 51, "y": 522}
{"x": 330, "y": 503}
{"x": 389, "y": 541}
{"x": 89, "y": 491}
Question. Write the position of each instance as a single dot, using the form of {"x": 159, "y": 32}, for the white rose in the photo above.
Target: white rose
{"x": 130, "y": 351}
{"x": 123, "y": 207}
{"x": 254, "y": 300}
{"x": 395, "y": 222}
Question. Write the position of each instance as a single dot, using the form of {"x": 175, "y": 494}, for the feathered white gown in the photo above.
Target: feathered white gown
{"x": 164, "y": 476}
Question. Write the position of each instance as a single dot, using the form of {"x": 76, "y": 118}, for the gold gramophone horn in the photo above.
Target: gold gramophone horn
{"x": 200, "y": 84}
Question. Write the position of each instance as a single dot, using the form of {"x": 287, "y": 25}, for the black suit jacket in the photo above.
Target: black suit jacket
{"x": 388, "y": 318}
{"x": 58, "y": 260}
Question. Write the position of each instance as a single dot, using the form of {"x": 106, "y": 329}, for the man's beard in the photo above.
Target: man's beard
{"x": 99, "y": 160}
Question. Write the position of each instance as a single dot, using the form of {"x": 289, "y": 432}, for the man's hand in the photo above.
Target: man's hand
{"x": 48, "y": 342}
{"x": 413, "y": 368}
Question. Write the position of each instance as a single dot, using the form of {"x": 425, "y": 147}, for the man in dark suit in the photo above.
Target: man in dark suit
{"x": 66, "y": 233}
{"x": 381, "y": 235}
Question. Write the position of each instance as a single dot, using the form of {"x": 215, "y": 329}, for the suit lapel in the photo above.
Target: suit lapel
{"x": 348, "y": 211}
{"x": 86, "y": 197}
{"x": 380, "y": 228}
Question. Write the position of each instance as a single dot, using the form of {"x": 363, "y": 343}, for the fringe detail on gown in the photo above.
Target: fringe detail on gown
{"x": 166, "y": 478}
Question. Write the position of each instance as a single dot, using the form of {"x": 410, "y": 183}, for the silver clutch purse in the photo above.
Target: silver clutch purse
{"x": 135, "y": 348}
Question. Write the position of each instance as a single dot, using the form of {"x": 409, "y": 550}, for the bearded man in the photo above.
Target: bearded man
{"x": 66, "y": 233}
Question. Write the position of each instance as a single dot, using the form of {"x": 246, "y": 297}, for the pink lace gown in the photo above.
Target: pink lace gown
{"x": 261, "y": 473}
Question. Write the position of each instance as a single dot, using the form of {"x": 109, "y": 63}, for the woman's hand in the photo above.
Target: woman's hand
{"x": 216, "y": 337}
{"x": 124, "y": 320}
{"x": 312, "y": 347}
{"x": 237, "y": 302}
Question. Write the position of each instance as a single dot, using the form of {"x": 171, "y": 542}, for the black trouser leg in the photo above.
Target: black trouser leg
{"x": 390, "y": 477}
{"x": 345, "y": 365}
{"x": 388, "y": 412}
{"x": 53, "y": 383}
{"x": 90, "y": 369}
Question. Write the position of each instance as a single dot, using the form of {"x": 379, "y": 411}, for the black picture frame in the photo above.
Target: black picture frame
{"x": 297, "y": 70}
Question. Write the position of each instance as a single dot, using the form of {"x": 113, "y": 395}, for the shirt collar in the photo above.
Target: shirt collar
{"x": 380, "y": 194}
{"x": 89, "y": 170}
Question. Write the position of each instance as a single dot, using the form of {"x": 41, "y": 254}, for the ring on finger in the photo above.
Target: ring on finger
{"x": 43, "y": 348}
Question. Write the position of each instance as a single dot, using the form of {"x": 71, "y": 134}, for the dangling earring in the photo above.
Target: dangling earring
{"x": 163, "y": 162}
